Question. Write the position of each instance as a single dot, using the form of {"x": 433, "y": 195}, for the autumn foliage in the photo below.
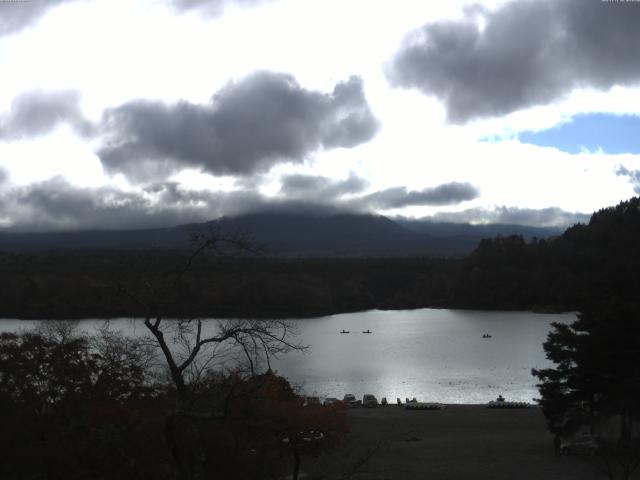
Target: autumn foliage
{"x": 71, "y": 409}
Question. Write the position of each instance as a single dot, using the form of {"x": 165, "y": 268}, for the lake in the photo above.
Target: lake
{"x": 433, "y": 354}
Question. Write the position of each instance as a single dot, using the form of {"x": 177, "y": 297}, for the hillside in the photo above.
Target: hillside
{"x": 288, "y": 235}
{"x": 585, "y": 262}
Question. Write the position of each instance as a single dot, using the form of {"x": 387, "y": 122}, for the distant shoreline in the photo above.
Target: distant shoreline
{"x": 293, "y": 316}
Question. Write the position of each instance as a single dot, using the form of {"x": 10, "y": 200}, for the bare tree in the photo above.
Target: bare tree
{"x": 59, "y": 331}
{"x": 192, "y": 347}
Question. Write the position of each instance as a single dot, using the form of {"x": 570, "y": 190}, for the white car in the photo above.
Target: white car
{"x": 350, "y": 399}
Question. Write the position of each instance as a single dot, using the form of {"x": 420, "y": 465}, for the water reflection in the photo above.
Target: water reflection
{"x": 435, "y": 355}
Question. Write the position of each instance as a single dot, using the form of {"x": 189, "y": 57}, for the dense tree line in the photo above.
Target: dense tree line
{"x": 561, "y": 273}
{"x": 557, "y": 273}
{"x": 89, "y": 284}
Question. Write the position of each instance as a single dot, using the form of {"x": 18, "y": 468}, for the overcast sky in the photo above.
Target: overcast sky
{"x": 138, "y": 113}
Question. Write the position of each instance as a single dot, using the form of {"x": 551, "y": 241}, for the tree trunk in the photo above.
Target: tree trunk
{"x": 625, "y": 429}
{"x": 296, "y": 460}
{"x": 186, "y": 444}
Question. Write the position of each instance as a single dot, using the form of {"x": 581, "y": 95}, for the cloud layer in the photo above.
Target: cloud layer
{"x": 399, "y": 197}
{"x": 333, "y": 191}
{"x": 545, "y": 217}
{"x": 319, "y": 187}
{"x": 56, "y": 204}
{"x": 38, "y": 112}
{"x": 249, "y": 126}
{"x": 210, "y": 8}
{"x": 632, "y": 175}
{"x": 16, "y": 15}
{"x": 530, "y": 52}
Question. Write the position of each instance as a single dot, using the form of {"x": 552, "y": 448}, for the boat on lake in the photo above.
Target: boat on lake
{"x": 366, "y": 331}
{"x": 344, "y": 331}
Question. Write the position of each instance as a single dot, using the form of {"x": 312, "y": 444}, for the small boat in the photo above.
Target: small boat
{"x": 344, "y": 331}
{"x": 366, "y": 331}
{"x": 486, "y": 335}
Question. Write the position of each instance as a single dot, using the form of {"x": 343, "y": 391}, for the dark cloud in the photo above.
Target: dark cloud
{"x": 351, "y": 121}
{"x": 4, "y": 176}
{"x": 16, "y": 15}
{"x": 530, "y": 52}
{"x": 311, "y": 186}
{"x": 399, "y": 197}
{"x": 57, "y": 205}
{"x": 211, "y": 8}
{"x": 632, "y": 175}
{"x": 325, "y": 190}
{"x": 38, "y": 112}
{"x": 249, "y": 126}
{"x": 545, "y": 217}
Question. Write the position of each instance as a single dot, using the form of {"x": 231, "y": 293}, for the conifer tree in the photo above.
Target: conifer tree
{"x": 596, "y": 380}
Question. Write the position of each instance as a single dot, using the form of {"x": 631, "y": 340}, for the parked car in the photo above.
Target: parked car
{"x": 350, "y": 399}
{"x": 330, "y": 401}
{"x": 369, "y": 401}
{"x": 582, "y": 443}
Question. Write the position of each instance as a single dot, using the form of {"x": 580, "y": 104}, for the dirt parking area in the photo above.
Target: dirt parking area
{"x": 460, "y": 442}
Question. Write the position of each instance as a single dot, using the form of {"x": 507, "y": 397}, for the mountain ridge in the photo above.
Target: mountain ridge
{"x": 290, "y": 235}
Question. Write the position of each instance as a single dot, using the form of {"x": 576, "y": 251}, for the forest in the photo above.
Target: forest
{"x": 504, "y": 272}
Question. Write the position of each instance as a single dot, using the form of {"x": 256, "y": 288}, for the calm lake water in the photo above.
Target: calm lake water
{"x": 434, "y": 355}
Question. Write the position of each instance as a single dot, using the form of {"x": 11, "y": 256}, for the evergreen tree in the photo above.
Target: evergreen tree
{"x": 596, "y": 365}
{"x": 596, "y": 380}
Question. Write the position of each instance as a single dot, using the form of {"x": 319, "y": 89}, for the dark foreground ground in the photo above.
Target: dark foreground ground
{"x": 460, "y": 442}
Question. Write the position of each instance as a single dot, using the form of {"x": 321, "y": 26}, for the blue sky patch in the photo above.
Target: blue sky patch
{"x": 594, "y": 131}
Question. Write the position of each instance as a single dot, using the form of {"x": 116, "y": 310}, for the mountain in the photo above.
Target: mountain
{"x": 291, "y": 235}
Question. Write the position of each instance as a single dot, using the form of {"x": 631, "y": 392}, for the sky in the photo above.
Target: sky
{"x": 145, "y": 113}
